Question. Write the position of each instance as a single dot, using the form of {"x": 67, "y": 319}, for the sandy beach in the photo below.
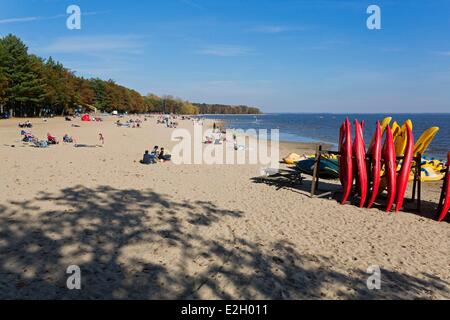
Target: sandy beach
{"x": 169, "y": 231}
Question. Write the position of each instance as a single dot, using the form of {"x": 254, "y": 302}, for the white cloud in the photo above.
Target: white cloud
{"x": 443, "y": 53}
{"x": 273, "y": 29}
{"x": 31, "y": 19}
{"x": 96, "y": 44}
{"x": 16, "y": 20}
{"x": 225, "y": 50}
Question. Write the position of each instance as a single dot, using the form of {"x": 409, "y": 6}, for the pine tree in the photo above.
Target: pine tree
{"x": 25, "y": 88}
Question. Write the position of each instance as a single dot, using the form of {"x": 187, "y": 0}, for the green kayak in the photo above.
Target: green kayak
{"x": 329, "y": 168}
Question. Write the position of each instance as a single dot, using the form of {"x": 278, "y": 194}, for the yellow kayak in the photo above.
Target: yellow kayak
{"x": 428, "y": 174}
{"x": 401, "y": 141}
{"x": 395, "y": 128}
{"x": 384, "y": 123}
{"x": 424, "y": 141}
{"x": 292, "y": 158}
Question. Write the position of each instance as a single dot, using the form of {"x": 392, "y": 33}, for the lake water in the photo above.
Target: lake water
{"x": 325, "y": 127}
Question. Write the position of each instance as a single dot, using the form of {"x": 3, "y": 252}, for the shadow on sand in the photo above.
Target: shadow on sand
{"x": 332, "y": 191}
{"x": 133, "y": 244}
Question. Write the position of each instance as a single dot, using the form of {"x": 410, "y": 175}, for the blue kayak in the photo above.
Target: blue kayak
{"x": 329, "y": 168}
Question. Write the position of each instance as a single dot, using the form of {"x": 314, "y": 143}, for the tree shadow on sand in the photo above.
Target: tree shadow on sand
{"x": 133, "y": 244}
{"x": 333, "y": 191}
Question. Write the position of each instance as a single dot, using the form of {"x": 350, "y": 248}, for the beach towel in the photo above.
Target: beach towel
{"x": 85, "y": 146}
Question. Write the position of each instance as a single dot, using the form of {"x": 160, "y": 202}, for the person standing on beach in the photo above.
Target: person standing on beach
{"x": 101, "y": 138}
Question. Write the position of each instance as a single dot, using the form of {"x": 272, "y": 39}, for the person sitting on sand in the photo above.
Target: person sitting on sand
{"x": 148, "y": 158}
{"x": 28, "y": 137}
{"x": 208, "y": 140}
{"x": 67, "y": 139}
{"x": 164, "y": 157}
{"x": 26, "y": 124}
{"x": 51, "y": 139}
{"x": 155, "y": 150}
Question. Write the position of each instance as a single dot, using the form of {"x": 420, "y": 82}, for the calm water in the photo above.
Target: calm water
{"x": 325, "y": 127}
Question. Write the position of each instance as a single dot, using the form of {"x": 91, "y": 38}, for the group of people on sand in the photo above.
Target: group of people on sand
{"x": 157, "y": 155}
{"x": 168, "y": 121}
{"x": 26, "y": 124}
{"x": 130, "y": 123}
{"x": 51, "y": 139}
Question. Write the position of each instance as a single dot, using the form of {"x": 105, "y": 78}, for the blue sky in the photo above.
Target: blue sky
{"x": 283, "y": 56}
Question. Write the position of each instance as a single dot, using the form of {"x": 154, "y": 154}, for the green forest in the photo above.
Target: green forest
{"x": 31, "y": 86}
{"x": 205, "y": 108}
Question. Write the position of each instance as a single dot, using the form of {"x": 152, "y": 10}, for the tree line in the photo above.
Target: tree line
{"x": 205, "y": 108}
{"x": 33, "y": 86}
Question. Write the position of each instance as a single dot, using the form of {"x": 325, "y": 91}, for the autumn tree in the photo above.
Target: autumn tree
{"x": 32, "y": 86}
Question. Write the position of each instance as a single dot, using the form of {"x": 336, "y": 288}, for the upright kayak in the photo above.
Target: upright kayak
{"x": 390, "y": 167}
{"x": 375, "y": 153}
{"x": 402, "y": 139}
{"x": 384, "y": 124}
{"x": 424, "y": 141}
{"x": 446, "y": 192}
{"x": 396, "y": 129}
{"x": 340, "y": 162}
{"x": 346, "y": 161}
{"x": 403, "y": 176}
{"x": 359, "y": 150}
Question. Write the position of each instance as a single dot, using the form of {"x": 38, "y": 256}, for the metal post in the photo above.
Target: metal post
{"x": 419, "y": 181}
{"x": 441, "y": 199}
{"x": 413, "y": 197}
{"x": 318, "y": 168}
{"x": 315, "y": 178}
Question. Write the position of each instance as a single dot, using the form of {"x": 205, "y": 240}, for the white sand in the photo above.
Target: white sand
{"x": 195, "y": 231}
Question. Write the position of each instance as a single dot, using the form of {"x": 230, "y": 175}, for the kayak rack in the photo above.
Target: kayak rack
{"x": 315, "y": 176}
{"x": 417, "y": 183}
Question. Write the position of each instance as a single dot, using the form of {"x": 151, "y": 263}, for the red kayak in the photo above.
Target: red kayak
{"x": 390, "y": 167}
{"x": 403, "y": 176}
{"x": 375, "y": 152}
{"x": 359, "y": 150}
{"x": 345, "y": 161}
{"x": 341, "y": 163}
{"x": 446, "y": 191}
